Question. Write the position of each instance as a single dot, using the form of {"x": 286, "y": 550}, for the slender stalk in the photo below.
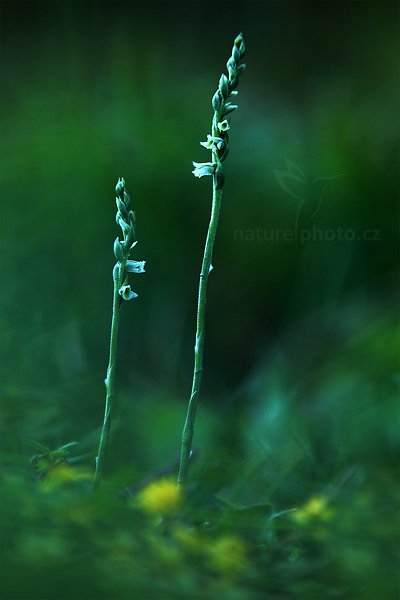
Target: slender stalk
{"x": 122, "y": 291}
{"x": 187, "y": 435}
{"x": 218, "y": 144}
{"x": 109, "y": 382}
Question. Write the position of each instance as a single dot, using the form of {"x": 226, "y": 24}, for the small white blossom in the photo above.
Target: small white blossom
{"x": 224, "y": 125}
{"x": 213, "y": 143}
{"x": 201, "y": 169}
{"x": 126, "y": 293}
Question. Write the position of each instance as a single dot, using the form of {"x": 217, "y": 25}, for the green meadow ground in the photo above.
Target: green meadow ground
{"x": 307, "y": 508}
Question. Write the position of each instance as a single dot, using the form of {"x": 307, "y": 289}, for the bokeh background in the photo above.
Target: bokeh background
{"x": 301, "y": 368}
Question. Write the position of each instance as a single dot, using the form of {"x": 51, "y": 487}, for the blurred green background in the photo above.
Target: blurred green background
{"x": 92, "y": 91}
{"x": 96, "y": 90}
{"x": 300, "y": 358}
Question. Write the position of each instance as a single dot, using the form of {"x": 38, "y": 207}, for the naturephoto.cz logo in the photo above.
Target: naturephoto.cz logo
{"x": 309, "y": 195}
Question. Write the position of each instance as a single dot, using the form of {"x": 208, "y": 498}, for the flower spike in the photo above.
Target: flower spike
{"x": 218, "y": 144}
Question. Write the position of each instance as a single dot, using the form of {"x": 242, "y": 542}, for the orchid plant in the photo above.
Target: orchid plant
{"x": 125, "y": 265}
{"x": 217, "y": 143}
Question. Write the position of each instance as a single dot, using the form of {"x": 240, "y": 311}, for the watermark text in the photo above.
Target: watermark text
{"x": 308, "y": 235}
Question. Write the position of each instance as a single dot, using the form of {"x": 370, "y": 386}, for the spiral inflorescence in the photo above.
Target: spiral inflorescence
{"x": 126, "y": 219}
{"x": 218, "y": 140}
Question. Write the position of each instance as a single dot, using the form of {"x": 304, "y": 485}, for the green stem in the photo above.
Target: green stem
{"x": 187, "y": 435}
{"x": 109, "y": 382}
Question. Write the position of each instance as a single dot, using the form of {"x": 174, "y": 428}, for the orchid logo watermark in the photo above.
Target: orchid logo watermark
{"x": 308, "y": 192}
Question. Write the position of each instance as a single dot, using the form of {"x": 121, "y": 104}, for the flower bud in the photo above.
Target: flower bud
{"x": 229, "y": 107}
{"x": 118, "y": 250}
{"x": 235, "y": 54}
{"x": 121, "y": 207}
{"x": 119, "y": 188}
{"x": 216, "y": 101}
{"x": 224, "y": 86}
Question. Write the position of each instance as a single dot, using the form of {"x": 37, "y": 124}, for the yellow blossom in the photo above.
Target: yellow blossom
{"x": 228, "y": 555}
{"x": 162, "y": 496}
{"x": 63, "y": 475}
{"x": 315, "y": 509}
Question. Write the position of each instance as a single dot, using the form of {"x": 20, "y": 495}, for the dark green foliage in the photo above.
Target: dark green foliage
{"x": 308, "y": 511}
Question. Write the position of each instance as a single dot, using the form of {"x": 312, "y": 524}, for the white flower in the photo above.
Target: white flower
{"x": 135, "y": 266}
{"x": 213, "y": 143}
{"x": 201, "y": 169}
{"x": 224, "y": 125}
{"x": 126, "y": 293}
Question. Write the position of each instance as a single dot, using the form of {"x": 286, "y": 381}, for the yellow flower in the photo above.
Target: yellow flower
{"x": 163, "y": 496}
{"x": 315, "y": 509}
{"x": 228, "y": 555}
{"x": 63, "y": 475}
